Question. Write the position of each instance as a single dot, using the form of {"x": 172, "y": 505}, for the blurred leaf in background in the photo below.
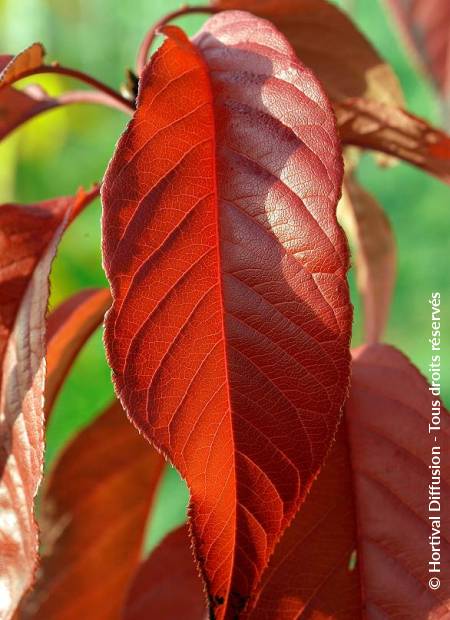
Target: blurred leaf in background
{"x": 69, "y": 147}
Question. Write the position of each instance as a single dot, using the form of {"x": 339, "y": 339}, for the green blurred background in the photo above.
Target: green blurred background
{"x": 64, "y": 149}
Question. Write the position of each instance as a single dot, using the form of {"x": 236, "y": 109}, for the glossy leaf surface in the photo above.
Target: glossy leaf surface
{"x": 228, "y": 333}
{"x": 94, "y": 514}
{"x": 28, "y": 239}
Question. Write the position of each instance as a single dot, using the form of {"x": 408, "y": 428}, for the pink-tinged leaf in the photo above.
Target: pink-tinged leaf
{"x": 228, "y": 333}
{"x": 68, "y": 328}
{"x": 94, "y": 509}
{"x": 372, "y": 125}
{"x": 328, "y": 42}
{"x": 14, "y": 68}
{"x": 425, "y": 25}
{"x": 167, "y": 585}
{"x": 375, "y": 255}
{"x": 28, "y": 239}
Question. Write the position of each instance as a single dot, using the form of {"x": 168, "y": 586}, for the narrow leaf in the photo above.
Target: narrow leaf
{"x": 425, "y": 25}
{"x": 228, "y": 333}
{"x": 372, "y": 125}
{"x": 94, "y": 514}
{"x": 68, "y": 328}
{"x": 326, "y": 40}
{"x": 375, "y": 255}
{"x": 167, "y": 585}
{"x": 28, "y": 239}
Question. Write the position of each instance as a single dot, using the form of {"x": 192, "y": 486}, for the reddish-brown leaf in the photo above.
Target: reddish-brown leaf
{"x": 28, "y": 239}
{"x": 68, "y": 328}
{"x": 372, "y": 125}
{"x": 326, "y": 40}
{"x": 16, "y": 107}
{"x": 94, "y": 514}
{"x": 167, "y": 585}
{"x": 228, "y": 333}
{"x": 426, "y": 27}
{"x": 14, "y": 68}
{"x": 359, "y": 547}
{"x": 386, "y": 468}
{"x": 375, "y": 252}
{"x": 19, "y": 106}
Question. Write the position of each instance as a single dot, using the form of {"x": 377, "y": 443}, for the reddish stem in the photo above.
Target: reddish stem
{"x": 151, "y": 34}
{"x": 82, "y": 77}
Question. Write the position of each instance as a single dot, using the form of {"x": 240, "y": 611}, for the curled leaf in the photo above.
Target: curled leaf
{"x": 19, "y": 106}
{"x": 425, "y": 25}
{"x": 375, "y": 255}
{"x": 68, "y": 328}
{"x": 221, "y": 244}
{"x": 14, "y": 68}
{"x": 28, "y": 239}
{"x": 393, "y": 131}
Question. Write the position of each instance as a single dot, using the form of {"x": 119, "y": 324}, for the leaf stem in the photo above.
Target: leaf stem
{"x": 151, "y": 34}
{"x": 82, "y": 77}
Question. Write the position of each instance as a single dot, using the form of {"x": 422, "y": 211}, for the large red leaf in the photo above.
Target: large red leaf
{"x": 375, "y": 255}
{"x": 359, "y": 547}
{"x": 28, "y": 239}
{"x": 228, "y": 334}
{"x": 167, "y": 585}
{"x": 94, "y": 514}
{"x": 372, "y": 125}
{"x": 426, "y": 26}
{"x": 68, "y": 328}
{"x": 326, "y": 40}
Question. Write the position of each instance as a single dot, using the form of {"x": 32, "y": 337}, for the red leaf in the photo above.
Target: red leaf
{"x": 386, "y": 469}
{"x": 95, "y": 510}
{"x": 426, "y": 26}
{"x": 167, "y": 586}
{"x": 228, "y": 333}
{"x": 359, "y": 546}
{"x": 372, "y": 125}
{"x": 14, "y": 68}
{"x": 388, "y": 416}
{"x": 28, "y": 239}
{"x": 326, "y": 40}
{"x": 19, "y": 106}
{"x": 68, "y": 328}
{"x": 375, "y": 255}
